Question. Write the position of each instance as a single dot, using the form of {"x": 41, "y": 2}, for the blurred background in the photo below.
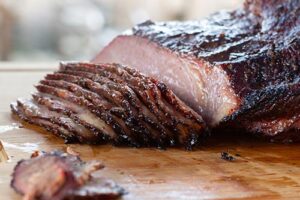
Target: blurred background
{"x": 51, "y": 30}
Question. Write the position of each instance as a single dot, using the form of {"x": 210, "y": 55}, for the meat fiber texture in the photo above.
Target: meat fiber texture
{"x": 238, "y": 69}
{"x": 110, "y": 103}
{"x": 60, "y": 176}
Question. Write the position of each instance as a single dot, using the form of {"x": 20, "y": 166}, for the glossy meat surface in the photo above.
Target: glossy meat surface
{"x": 236, "y": 68}
{"x": 257, "y": 46}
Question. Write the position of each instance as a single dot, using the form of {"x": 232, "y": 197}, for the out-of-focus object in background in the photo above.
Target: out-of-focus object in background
{"x": 6, "y": 23}
{"x": 53, "y": 30}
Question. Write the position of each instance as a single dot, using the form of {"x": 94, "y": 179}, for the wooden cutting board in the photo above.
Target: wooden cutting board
{"x": 260, "y": 171}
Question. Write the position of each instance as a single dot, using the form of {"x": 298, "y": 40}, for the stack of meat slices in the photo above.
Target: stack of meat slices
{"x": 99, "y": 103}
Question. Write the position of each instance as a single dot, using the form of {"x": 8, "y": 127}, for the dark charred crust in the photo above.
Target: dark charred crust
{"x": 272, "y": 101}
{"x": 247, "y": 52}
{"x": 260, "y": 57}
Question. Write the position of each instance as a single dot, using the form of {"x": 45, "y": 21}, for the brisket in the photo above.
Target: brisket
{"x": 238, "y": 69}
{"x": 89, "y": 103}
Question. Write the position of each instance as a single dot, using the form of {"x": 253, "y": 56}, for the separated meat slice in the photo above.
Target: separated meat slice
{"x": 60, "y": 176}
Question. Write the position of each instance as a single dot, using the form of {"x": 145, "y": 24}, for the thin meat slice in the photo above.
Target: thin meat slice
{"x": 46, "y": 123}
{"x": 61, "y": 176}
{"x": 31, "y": 111}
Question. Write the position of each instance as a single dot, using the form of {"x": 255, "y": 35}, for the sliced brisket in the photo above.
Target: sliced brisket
{"x": 238, "y": 68}
{"x": 93, "y": 104}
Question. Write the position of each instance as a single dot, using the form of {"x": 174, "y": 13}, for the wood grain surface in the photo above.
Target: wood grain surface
{"x": 260, "y": 171}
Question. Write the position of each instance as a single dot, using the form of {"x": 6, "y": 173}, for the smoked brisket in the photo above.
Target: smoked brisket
{"x": 89, "y": 103}
{"x": 238, "y": 68}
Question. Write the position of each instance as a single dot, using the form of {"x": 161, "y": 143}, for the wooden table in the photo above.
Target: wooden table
{"x": 261, "y": 171}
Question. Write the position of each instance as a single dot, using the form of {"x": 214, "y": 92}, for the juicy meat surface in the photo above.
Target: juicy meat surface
{"x": 61, "y": 176}
{"x": 238, "y": 67}
{"x": 89, "y": 103}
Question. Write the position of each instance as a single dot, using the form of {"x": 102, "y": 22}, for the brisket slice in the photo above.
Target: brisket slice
{"x": 237, "y": 68}
{"x": 104, "y": 103}
{"x": 56, "y": 127}
{"x": 61, "y": 176}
